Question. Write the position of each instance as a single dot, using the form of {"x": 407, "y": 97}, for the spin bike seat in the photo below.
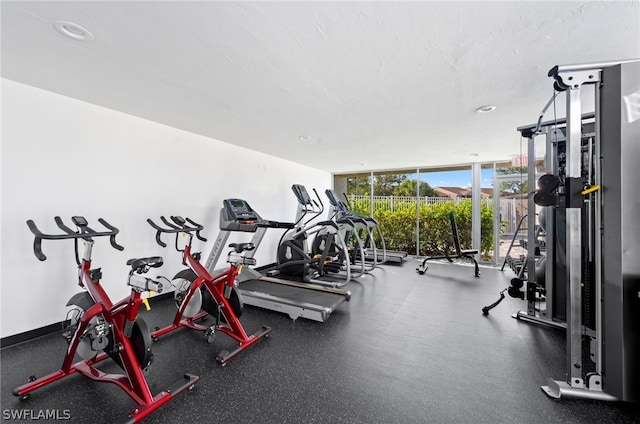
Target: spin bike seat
{"x": 241, "y": 247}
{"x": 153, "y": 262}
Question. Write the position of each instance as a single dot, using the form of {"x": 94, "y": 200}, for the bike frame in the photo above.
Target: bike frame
{"x": 216, "y": 285}
{"x": 133, "y": 382}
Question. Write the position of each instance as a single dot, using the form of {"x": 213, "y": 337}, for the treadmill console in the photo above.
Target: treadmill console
{"x": 239, "y": 210}
{"x": 237, "y": 215}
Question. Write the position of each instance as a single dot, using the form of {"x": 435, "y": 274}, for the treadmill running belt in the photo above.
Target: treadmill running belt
{"x": 297, "y": 294}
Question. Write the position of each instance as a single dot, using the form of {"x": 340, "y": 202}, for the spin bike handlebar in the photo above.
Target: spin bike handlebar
{"x": 85, "y": 232}
{"x": 179, "y": 225}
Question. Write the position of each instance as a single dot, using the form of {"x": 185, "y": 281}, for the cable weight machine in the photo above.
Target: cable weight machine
{"x": 590, "y": 200}
{"x": 543, "y": 270}
{"x": 602, "y": 233}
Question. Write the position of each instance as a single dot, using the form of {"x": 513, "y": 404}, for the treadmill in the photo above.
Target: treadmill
{"x": 298, "y": 300}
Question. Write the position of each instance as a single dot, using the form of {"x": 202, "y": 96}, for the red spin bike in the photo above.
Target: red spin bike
{"x": 101, "y": 329}
{"x": 198, "y": 293}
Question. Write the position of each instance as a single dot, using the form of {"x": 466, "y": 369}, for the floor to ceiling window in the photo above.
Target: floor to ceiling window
{"x": 444, "y": 190}
{"x": 394, "y": 207}
{"x": 512, "y": 189}
{"x": 358, "y": 189}
{"x": 412, "y": 207}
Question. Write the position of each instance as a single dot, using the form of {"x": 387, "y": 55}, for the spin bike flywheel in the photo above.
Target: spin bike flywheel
{"x": 201, "y": 299}
{"x": 182, "y": 282}
{"x": 98, "y": 336}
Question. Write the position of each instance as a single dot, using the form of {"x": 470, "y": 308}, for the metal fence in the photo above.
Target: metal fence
{"x": 394, "y": 203}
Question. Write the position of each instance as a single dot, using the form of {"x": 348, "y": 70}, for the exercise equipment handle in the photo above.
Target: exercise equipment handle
{"x": 316, "y": 209}
{"x": 347, "y": 204}
{"x": 319, "y": 200}
{"x": 158, "y": 232}
{"x": 200, "y": 228}
{"x": 486, "y": 309}
{"x": 85, "y": 232}
{"x": 179, "y": 226}
{"x": 112, "y": 237}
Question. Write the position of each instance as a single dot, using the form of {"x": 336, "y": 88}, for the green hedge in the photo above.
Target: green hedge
{"x": 399, "y": 227}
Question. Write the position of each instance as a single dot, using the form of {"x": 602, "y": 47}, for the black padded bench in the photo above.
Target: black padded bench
{"x": 459, "y": 254}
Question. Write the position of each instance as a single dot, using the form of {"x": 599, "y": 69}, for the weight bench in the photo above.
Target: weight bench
{"x": 468, "y": 254}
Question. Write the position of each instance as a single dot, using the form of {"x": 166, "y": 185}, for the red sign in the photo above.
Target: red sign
{"x": 520, "y": 161}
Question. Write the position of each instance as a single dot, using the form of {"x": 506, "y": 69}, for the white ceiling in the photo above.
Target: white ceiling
{"x": 375, "y": 85}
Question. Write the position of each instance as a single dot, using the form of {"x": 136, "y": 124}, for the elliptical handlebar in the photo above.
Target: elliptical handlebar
{"x": 319, "y": 207}
{"x": 306, "y": 205}
{"x": 85, "y": 232}
{"x": 347, "y": 203}
{"x": 179, "y": 225}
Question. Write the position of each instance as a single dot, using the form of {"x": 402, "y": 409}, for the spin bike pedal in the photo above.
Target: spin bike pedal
{"x": 210, "y": 334}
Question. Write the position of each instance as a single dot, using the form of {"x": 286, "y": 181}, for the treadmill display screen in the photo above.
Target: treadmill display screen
{"x": 240, "y": 210}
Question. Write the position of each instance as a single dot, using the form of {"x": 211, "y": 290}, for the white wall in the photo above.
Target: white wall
{"x": 61, "y": 156}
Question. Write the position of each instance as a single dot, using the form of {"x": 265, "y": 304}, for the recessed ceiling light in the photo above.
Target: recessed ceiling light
{"x": 72, "y": 30}
{"x": 305, "y": 137}
{"x": 475, "y": 155}
{"x": 486, "y": 109}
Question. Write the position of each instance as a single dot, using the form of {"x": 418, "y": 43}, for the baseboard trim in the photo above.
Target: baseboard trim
{"x": 30, "y": 335}
{"x": 56, "y": 327}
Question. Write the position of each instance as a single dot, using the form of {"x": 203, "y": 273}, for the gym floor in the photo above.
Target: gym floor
{"x": 407, "y": 348}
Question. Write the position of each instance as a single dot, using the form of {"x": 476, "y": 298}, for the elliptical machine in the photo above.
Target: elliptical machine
{"x": 358, "y": 230}
{"x": 328, "y": 256}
